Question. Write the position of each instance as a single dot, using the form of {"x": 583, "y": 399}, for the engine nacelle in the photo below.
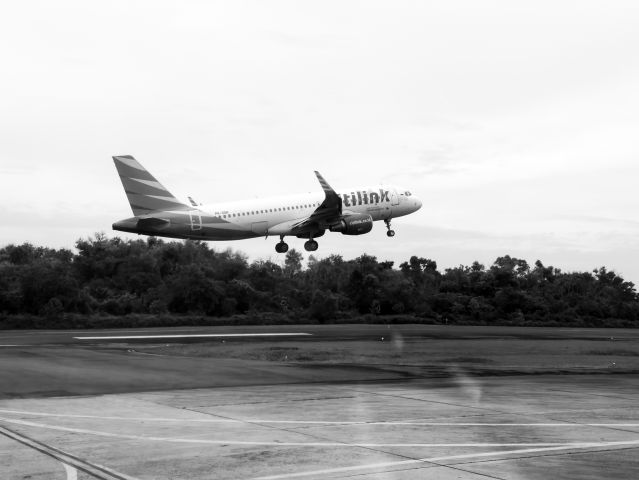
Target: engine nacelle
{"x": 353, "y": 225}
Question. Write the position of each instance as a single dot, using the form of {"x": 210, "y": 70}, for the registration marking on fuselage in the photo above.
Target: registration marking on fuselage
{"x": 202, "y": 335}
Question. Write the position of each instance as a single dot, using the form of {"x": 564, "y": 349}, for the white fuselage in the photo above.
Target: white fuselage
{"x": 276, "y": 215}
{"x": 348, "y": 211}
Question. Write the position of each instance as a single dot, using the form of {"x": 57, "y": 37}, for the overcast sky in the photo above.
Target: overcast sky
{"x": 516, "y": 123}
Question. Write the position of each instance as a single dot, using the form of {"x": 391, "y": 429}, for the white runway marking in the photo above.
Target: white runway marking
{"x": 310, "y": 444}
{"x": 317, "y": 422}
{"x": 433, "y": 460}
{"x": 72, "y": 473}
{"x": 202, "y": 335}
{"x": 66, "y": 459}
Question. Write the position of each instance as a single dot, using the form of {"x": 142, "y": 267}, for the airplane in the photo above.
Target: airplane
{"x": 157, "y": 212}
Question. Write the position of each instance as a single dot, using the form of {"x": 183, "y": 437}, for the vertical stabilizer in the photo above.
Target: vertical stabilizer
{"x": 144, "y": 192}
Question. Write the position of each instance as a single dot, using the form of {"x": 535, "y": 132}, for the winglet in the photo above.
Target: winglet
{"x": 332, "y": 200}
{"x": 327, "y": 188}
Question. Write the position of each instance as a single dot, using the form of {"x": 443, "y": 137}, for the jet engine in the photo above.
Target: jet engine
{"x": 356, "y": 224}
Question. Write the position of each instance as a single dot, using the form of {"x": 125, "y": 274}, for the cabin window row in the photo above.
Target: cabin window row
{"x": 269, "y": 210}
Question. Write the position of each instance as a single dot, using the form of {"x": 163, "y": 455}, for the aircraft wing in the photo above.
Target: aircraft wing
{"x": 329, "y": 211}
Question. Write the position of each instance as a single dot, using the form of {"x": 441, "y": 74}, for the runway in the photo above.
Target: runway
{"x": 333, "y": 332}
{"x": 236, "y": 418}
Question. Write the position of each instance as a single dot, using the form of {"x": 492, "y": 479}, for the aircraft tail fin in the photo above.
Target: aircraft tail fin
{"x": 144, "y": 192}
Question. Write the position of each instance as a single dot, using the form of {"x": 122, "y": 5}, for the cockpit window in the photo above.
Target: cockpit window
{"x": 407, "y": 193}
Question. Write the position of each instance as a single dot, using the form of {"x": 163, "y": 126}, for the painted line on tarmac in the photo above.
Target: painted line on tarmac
{"x": 201, "y": 335}
{"x": 68, "y": 460}
{"x": 106, "y": 331}
{"x": 439, "y": 424}
{"x": 306, "y": 444}
{"x": 315, "y": 422}
{"x": 434, "y": 460}
{"x": 72, "y": 473}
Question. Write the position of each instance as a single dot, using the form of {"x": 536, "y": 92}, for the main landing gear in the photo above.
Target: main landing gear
{"x": 310, "y": 245}
{"x": 390, "y": 233}
{"x": 282, "y": 246}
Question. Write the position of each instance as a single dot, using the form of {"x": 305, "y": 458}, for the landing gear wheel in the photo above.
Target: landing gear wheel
{"x": 310, "y": 246}
{"x": 281, "y": 247}
{"x": 390, "y": 233}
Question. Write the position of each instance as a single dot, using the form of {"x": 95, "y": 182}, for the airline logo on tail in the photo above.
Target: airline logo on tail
{"x": 144, "y": 192}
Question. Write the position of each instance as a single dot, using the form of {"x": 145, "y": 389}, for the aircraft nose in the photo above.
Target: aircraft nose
{"x": 418, "y": 203}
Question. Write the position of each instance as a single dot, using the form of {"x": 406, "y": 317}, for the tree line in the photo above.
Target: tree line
{"x": 111, "y": 277}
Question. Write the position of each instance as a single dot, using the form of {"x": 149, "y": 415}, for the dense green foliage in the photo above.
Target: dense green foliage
{"x": 113, "y": 277}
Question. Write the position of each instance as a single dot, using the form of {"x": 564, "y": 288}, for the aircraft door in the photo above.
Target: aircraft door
{"x": 394, "y": 198}
{"x": 196, "y": 220}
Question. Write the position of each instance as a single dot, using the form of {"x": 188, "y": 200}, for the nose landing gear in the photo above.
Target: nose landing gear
{"x": 390, "y": 233}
